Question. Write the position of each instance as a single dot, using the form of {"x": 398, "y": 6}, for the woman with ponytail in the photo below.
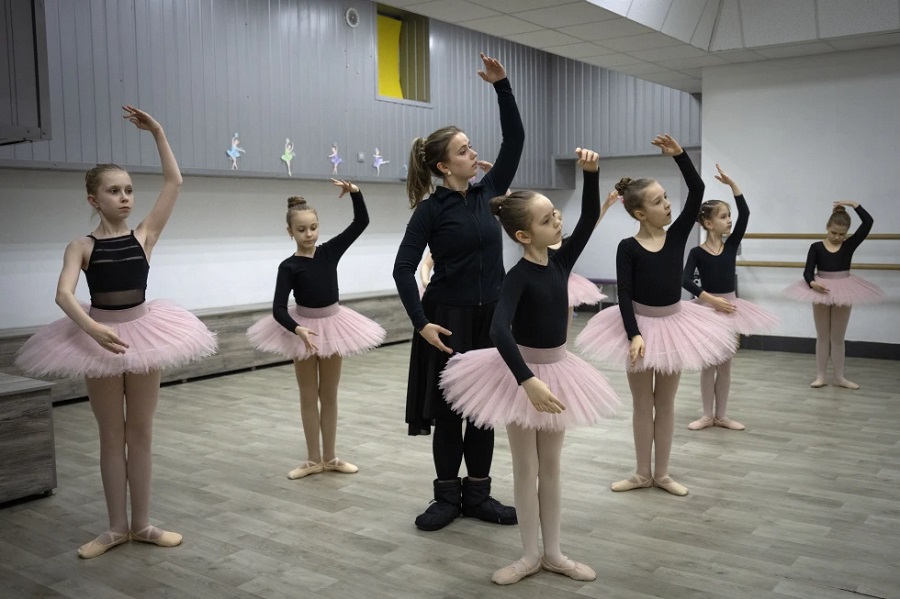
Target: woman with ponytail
{"x": 455, "y": 314}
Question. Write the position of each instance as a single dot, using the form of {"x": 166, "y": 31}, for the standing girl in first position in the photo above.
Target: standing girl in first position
{"x": 660, "y": 334}
{"x": 318, "y": 332}
{"x": 715, "y": 261}
{"x": 543, "y": 389}
{"x": 828, "y": 284}
{"x": 121, "y": 342}
{"x": 455, "y": 222}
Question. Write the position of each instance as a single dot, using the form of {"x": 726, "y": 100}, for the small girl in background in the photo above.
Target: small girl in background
{"x": 715, "y": 261}
{"x": 120, "y": 344}
{"x": 660, "y": 334}
{"x": 828, "y": 284}
{"x": 543, "y": 389}
{"x": 338, "y": 331}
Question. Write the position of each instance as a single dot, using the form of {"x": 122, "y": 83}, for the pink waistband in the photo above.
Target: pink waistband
{"x": 656, "y": 311}
{"x": 542, "y": 355}
{"x": 834, "y": 274}
{"x": 323, "y": 312}
{"x": 118, "y": 316}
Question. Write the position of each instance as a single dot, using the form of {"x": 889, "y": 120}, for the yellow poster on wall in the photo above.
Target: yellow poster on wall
{"x": 389, "y": 57}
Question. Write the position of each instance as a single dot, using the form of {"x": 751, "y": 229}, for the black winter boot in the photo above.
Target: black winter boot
{"x": 478, "y": 503}
{"x": 445, "y": 508}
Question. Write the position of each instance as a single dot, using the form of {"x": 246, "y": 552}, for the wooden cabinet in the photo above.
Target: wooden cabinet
{"x": 27, "y": 450}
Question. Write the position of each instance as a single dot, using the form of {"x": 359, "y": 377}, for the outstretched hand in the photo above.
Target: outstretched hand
{"x": 610, "y": 200}
{"x": 668, "y": 145}
{"x": 588, "y": 160}
{"x": 493, "y": 70}
{"x": 346, "y": 187}
{"x": 723, "y": 177}
{"x": 140, "y": 119}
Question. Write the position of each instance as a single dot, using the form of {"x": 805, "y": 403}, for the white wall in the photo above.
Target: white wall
{"x": 798, "y": 134}
{"x": 221, "y": 248}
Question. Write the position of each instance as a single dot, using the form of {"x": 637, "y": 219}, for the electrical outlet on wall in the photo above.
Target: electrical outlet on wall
{"x": 361, "y": 157}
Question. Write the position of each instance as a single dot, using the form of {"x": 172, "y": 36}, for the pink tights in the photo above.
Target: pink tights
{"x": 124, "y": 407}
{"x": 831, "y": 327}
{"x": 653, "y": 398}
{"x": 715, "y": 383}
{"x": 536, "y": 480}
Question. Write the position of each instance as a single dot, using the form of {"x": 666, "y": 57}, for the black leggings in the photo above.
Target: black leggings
{"x": 449, "y": 447}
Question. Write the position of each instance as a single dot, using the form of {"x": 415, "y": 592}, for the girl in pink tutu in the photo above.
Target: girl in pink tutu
{"x": 530, "y": 383}
{"x": 715, "y": 261}
{"x": 121, "y": 342}
{"x": 652, "y": 329}
{"x": 454, "y": 220}
{"x": 828, "y": 284}
{"x": 317, "y": 332}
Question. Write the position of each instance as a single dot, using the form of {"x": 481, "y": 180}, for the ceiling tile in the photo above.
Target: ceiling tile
{"x": 604, "y": 30}
{"x": 839, "y": 17}
{"x": 693, "y": 63}
{"x": 795, "y": 50}
{"x": 651, "y": 13}
{"x": 543, "y": 38}
{"x": 644, "y": 41}
{"x": 728, "y": 31}
{"x": 866, "y": 41}
{"x": 452, "y": 11}
{"x": 680, "y": 51}
{"x": 740, "y": 55}
{"x": 514, "y": 6}
{"x": 682, "y": 19}
{"x": 502, "y": 25}
{"x": 580, "y": 50}
{"x": 569, "y": 14}
{"x": 768, "y": 22}
{"x": 611, "y": 60}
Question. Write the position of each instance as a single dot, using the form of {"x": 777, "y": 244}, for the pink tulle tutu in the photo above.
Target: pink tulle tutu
{"x": 479, "y": 385}
{"x": 583, "y": 292}
{"x": 340, "y": 331}
{"x": 748, "y": 318}
{"x": 682, "y": 336}
{"x": 159, "y": 334}
{"x": 844, "y": 289}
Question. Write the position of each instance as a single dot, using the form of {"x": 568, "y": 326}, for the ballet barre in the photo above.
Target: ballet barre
{"x": 870, "y": 237}
{"x": 801, "y": 265}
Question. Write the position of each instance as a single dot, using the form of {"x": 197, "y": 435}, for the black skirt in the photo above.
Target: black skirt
{"x": 471, "y": 327}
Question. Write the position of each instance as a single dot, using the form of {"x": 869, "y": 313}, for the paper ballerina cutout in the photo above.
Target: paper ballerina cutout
{"x": 288, "y": 155}
{"x": 378, "y": 162}
{"x": 235, "y": 151}
{"x": 335, "y": 158}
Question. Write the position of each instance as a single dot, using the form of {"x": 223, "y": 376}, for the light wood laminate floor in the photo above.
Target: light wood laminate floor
{"x": 804, "y": 503}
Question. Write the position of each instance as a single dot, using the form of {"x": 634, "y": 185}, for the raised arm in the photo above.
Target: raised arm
{"x": 865, "y": 226}
{"x": 152, "y": 226}
{"x": 343, "y": 240}
{"x": 740, "y": 227}
{"x": 501, "y": 175}
{"x": 590, "y": 210}
{"x": 685, "y": 221}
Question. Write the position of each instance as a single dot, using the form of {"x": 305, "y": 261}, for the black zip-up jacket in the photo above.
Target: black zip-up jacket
{"x": 463, "y": 236}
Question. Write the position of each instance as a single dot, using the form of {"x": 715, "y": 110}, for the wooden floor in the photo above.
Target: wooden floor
{"x": 805, "y": 503}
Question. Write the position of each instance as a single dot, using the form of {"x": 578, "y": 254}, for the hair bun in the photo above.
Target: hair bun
{"x": 295, "y": 201}
{"x": 839, "y": 208}
{"x": 497, "y": 205}
{"x": 623, "y": 184}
